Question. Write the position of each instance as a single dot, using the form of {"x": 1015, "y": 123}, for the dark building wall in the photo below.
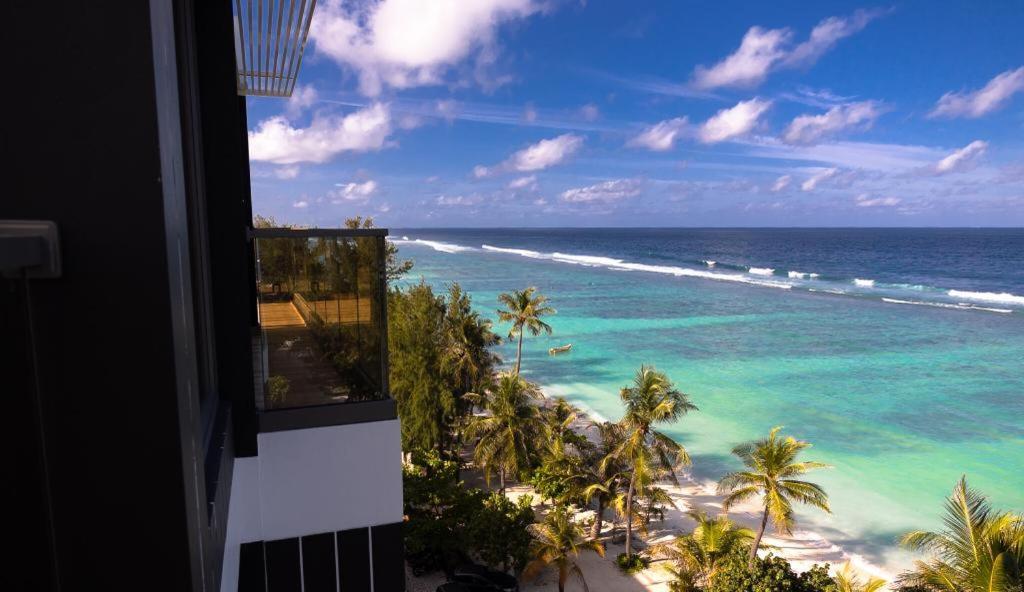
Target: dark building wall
{"x": 96, "y": 146}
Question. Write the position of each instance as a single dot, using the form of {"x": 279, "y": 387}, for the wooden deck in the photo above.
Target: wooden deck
{"x": 293, "y": 354}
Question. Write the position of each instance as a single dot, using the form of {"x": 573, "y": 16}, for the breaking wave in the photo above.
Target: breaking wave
{"x": 763, "y": 276}
{"x": 999, "y": 298}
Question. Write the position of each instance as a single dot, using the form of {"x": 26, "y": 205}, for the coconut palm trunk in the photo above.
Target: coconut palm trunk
{"x": 519, "y": 351}
{"x": 757, "y": 539}
{"x": 595, "y": 529}
{"x": 629, "y": 515}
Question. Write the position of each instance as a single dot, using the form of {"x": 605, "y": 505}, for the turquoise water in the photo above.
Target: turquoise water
{"x": 901, "y": 400}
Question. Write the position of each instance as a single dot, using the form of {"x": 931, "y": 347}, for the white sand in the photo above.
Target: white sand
{"x": 802, "y": 549}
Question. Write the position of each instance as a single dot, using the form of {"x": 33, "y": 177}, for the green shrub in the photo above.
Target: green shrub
{"x": 770, "y": 574}
{"x": 447, "y": 523}
{"x": 277, "y": 388}
{"x": 632, "y": 564}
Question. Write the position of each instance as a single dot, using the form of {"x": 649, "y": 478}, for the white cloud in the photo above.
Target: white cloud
{"x": 608, "y": 191}
{"x": 661, "y": 136}
{"x": 810, "y": 129}
{"x": 781, "y": 183}
{"x": 764, "y": 50}
{"x": 447, "y": 109}
{"x": 590, "y": 112}
{"x": 856, "y": 155}
{"x": 818, "y": 178}
{"x": 992, "y": 96}
{"x": 539, "y": 156}
{"x": 826, "y": 34}
{"x": 303, "y": 97}
{"x": 865, "y": 201}
{"x": 546, "y": 153}
{"x": 301, "y": 204}
{"x": 733, "y": 122}
{"x": 409, "y": 43}
{"x": 749, "y": 65}
{"x": 529, "y": 182}
{"x": 286, "y": 172}
{"x": 353, "y": 191}
{"x": 276, "y": 141}
{"x": 458, "y": 200}
{"x": 962, "y": 159}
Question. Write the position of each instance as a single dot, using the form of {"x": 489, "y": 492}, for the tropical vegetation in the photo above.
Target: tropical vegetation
{"x": 456, "y": 405}
{"x": 524, "y": 309}
{"x": 980, "y": 549}
{"x": 770, "y": 475}
{"x": 557, "y": 542}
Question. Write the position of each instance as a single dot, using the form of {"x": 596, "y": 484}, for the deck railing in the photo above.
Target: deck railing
{"x": 322, "y": 335}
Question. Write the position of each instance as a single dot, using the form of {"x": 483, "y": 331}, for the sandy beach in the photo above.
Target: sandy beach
{"x": 803, "y": 548}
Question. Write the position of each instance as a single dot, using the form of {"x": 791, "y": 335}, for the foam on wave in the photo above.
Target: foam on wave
{"x": 761, "y": 271}
{"x": 861, "y": 283}
{"x": 436, "y": 245}
{"x": 1000, "y": 297}
{"x": 802, "y": 275}
{"x": 523, "y": 252}
{"x": 958, "y": 306}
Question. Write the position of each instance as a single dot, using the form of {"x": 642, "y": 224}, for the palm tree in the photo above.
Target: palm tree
{"x": 510, "y": 429}
{"x": 697, "y": 557}
{"x": 558, "y": 541}
{"x": 847, "y": 581}
{"x": 648, "y": 453}
{"x": 603, "y": 472}
{"x": 772, "y": 466}
{"x": 980, "y": 550}
{"x": 524, "y": 310}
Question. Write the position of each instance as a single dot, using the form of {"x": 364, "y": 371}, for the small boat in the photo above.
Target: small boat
{"x": 560, "y": 349}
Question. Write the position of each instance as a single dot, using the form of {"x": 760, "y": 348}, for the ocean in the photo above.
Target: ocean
{"x": 899, "y": 353}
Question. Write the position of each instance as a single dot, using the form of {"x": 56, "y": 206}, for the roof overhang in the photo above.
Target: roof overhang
{"x": 270, "y": 38}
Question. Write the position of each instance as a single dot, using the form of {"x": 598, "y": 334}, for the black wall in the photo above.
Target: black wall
{"x": 109, "y": 488}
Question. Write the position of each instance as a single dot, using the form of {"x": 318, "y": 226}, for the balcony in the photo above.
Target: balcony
{"x": 321, "y": 340}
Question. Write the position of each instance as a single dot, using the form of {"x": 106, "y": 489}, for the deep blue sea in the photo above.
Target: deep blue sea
{"x": 899, "y": 353}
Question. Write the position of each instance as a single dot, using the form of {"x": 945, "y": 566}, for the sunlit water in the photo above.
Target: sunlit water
{"x": 900, "y": 398}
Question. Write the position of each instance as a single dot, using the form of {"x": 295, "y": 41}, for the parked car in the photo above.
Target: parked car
{"x": 480, "y": 575}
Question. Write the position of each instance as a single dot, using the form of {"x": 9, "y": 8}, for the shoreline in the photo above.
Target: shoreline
{"x": 803, "y": 548}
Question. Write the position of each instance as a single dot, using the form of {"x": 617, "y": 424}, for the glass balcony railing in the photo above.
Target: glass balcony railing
{"x": 322, "y": 329}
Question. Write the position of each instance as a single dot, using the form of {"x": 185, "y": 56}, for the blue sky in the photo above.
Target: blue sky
{"x": 607, "y": 113}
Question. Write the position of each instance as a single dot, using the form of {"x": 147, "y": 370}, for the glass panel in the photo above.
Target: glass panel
{"x": 320, "y": 306}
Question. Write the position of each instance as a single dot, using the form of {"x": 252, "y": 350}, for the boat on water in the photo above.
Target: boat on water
{"x": 560, "y": 349}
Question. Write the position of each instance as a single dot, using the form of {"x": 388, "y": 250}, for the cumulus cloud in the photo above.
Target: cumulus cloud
{"x": 865, "y": 201}
{"x": 962, "y": 159}
{"x": 408, "y": 43}
{"x": 759, "y": 50}
{"x": 447, "y": 109}
{"x": 536, "y": 157}
{"x": 661, "y": 136}
{"x": 303, "y": 97}
{"x": 275, "y": 140}
{"x": 528, "y": 182}
{"x": 606, "y": 192}
{"x": 812, "y": 183}
{"x": 781, "y": 183}
{"x": 301, "y": 204}
{"x": 826, "y": 34}
{"x": 810, "y": 129}
{"x": 733, "y": 122}
{"x": 353, "y": 191}
{"x": 764, "y": 50}
{"x": 985, "y": 100}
